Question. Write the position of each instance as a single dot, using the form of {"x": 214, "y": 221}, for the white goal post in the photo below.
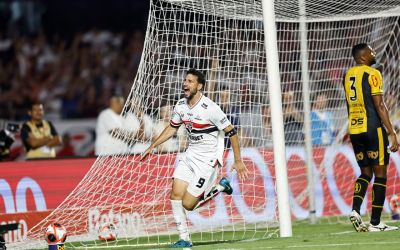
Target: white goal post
{"x": 278, "y": 139}
{"x": 294, "y": 100}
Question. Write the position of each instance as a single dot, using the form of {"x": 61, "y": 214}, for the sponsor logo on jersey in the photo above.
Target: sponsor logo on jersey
{"x": 360, "y": 156}
{"x": 181, "y": 102}
{"x": 204, "y": 105}
{"x": 195, "y": 137}
{"x": 358, "y": 121}
{"x": 223, "y": 120}
{"x": 372, "y": 154}
{"x": 198, "y": 118}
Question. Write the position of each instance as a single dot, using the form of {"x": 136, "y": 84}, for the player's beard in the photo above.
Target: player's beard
{"x": 191, "y": 94}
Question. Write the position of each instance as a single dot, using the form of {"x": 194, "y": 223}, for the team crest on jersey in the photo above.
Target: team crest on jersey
{"x": 374, "y": 81}
{"x": 204, "y": 105}
{"x": 357, "y": 188}
{"x": 189, "y": 126}
{"x": 372, "y": 154}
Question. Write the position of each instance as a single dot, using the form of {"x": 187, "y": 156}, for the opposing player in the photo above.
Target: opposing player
{"x": 369, "y": 137}
{"x": 197, "y": 170}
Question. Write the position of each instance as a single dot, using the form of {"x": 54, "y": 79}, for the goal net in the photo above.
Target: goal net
{"x": 225, "y": 39}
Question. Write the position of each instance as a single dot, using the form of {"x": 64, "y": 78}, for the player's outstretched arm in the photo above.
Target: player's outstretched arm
{"x": 238, "y": 164}
{"x": 167, "y": 133}
{"x": 384, "y": 115}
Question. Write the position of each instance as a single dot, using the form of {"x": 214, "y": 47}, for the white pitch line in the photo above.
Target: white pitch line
{"x": 317, "y": 246}
{"x": 344, "y": 244}
{"x": 345, "y": 232}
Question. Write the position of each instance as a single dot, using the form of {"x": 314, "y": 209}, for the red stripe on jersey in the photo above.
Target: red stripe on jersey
{"x": 175, "y": 124}
{"x": 198, "y": 125}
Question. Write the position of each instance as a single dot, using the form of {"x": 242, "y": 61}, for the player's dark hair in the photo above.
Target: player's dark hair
{"x": 33, "y": 103}
{"x": 357, "y": 49}
{"x": 201, "y": 78}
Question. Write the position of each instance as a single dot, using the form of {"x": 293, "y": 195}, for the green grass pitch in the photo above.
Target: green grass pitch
{"x": 323, "y": 235}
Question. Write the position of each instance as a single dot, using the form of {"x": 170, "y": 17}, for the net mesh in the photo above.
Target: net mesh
{"x": 225, "y": 39}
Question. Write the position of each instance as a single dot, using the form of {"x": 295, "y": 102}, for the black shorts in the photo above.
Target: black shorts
{"x": 371, "y": 148}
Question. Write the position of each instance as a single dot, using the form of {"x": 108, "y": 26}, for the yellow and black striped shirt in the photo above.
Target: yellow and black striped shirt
{"x": 360, "y": 84}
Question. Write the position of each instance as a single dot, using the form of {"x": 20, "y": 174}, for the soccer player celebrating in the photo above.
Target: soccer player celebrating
{"x": 197, "y": 170}
{"x": 367, "y": 114}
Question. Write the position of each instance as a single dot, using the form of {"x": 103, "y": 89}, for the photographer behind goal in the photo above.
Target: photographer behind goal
{"x": 7, "y": 137}
{"x": 38, "y": 135}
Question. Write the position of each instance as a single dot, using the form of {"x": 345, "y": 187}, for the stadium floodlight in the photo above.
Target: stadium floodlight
{"x": 226, "y": 39}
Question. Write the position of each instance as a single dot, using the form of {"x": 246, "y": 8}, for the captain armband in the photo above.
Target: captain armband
{"x": 231, "y": 132}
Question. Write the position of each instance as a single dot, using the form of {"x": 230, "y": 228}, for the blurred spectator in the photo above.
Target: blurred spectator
{"x": 97, "y": 39}
{"x": 67, "y": 150}
{"x": 293, "y": 120}
{"x": 140, "y": 126}
{"x": 117, "y": 134}
{"x": 210, "y": 89}
{"x": 178, "y": 142}
{"x": 108, "y": 121}
{"x": 224, "y": 96}
{"x": 257, "y": 126}
{"x": 266, "y": 128}
{"x": 6, "y": 52}
{"x": 38, "y": 135}
{"x": 392, "y": 103}
{"x": 251, "y": 126}
{"x": 232, "y": 112}
{"x": 7, "y": 138}
{"x": 322, "y": 131}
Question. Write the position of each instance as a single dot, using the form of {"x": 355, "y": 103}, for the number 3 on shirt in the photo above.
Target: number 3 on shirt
{"x": 353, "y": 95}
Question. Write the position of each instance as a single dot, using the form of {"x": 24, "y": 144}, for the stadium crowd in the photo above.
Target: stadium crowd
{"x": 72, "y": 78}
{"x": 75, "y": 79}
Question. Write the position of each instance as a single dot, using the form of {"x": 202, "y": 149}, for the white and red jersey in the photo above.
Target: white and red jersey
{"x": 204, "y": 122}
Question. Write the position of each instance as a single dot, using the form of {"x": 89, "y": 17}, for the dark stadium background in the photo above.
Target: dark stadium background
{"x": 68, "y": 17}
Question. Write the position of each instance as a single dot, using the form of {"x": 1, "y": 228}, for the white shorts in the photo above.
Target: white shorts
{"x": 201, "y": 175}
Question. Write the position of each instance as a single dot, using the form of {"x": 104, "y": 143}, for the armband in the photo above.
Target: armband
{"x": 231, "y": 132}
